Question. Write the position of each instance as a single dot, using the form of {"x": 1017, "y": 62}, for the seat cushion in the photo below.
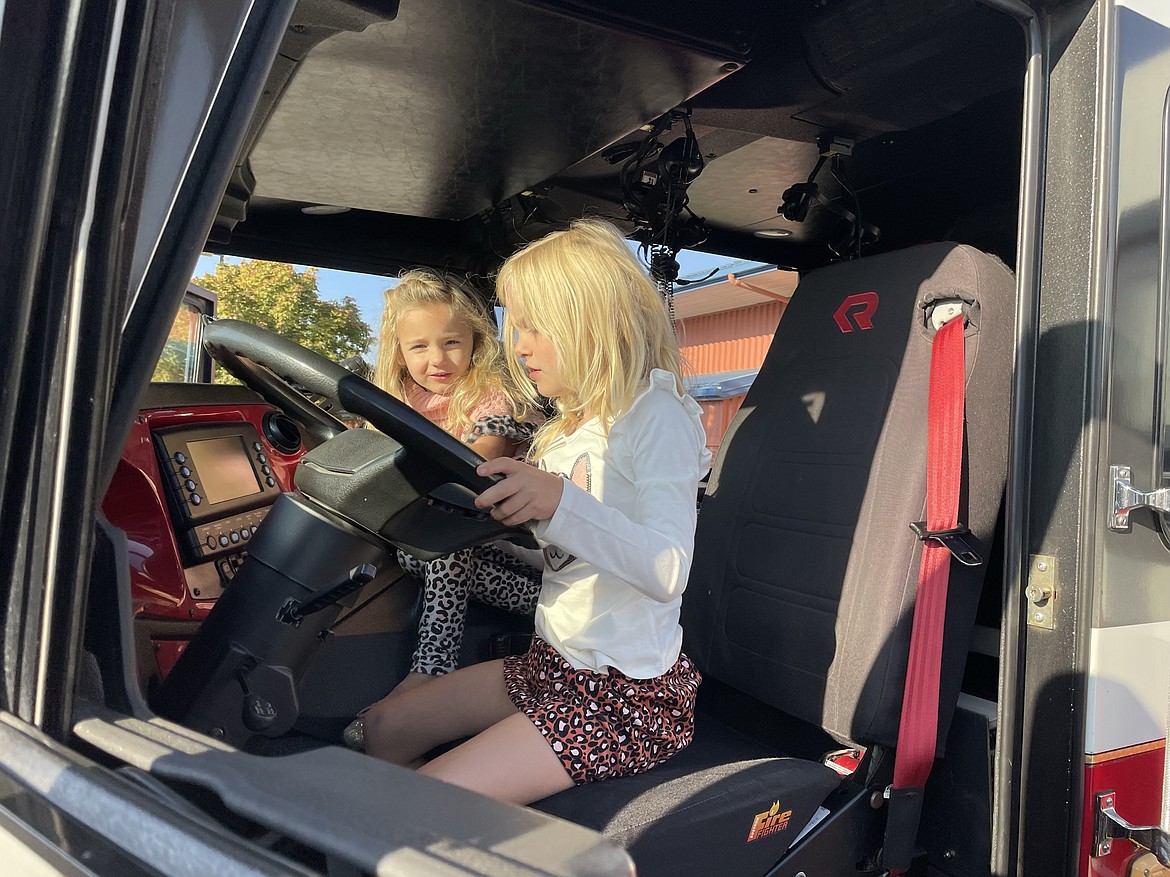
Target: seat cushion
{"x": 726, "y": 804}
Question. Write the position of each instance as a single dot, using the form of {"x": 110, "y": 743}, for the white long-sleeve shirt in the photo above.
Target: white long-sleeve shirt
{"x": 617, "y": 551}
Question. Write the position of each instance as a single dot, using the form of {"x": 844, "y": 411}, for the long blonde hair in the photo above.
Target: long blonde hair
{"x": 422, "y": 288}
{"x": 583, "y": 290}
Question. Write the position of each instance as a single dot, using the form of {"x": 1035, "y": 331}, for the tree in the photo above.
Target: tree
{"x": 278, "y": 297}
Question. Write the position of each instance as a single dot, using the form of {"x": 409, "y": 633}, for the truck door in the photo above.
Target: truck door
{"x": 1128, "y": 641}
{"x": 1086, "y": 649}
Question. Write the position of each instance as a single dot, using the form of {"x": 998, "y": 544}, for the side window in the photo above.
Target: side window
{"x": 183, "y": 358}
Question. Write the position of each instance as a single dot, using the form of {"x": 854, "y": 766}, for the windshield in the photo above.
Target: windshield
{"x": 334, "y": 313}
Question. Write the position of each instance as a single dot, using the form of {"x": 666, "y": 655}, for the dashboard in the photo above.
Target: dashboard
{"x": 197, "y": 476}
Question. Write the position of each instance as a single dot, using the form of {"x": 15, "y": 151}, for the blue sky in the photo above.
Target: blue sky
{"x": 367, "y": 289}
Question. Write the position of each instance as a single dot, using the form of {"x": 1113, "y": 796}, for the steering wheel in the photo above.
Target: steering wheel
{"x": 261, "y": 358}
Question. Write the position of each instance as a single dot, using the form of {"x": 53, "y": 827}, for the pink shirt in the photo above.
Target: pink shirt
{"x": 435, "y": 406}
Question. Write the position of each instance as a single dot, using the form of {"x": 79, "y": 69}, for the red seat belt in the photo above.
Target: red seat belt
{"x": 918, "y": 727}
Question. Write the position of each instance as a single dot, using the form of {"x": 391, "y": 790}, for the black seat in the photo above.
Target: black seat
{"x": 800, "y": 599}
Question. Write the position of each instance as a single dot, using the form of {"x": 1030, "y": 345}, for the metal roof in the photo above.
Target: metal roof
{"x": 752, "y": 288}
{"x": 721, "y": 386}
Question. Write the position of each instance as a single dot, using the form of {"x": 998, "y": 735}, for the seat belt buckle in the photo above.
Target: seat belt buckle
{"x": 952, "y": 540}
{"x": 902, "y": 818}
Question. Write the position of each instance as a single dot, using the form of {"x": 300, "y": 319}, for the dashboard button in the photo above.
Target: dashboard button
{"x": 270, "y": 481}
{"x": 210, "y": 540}
{"x": 261, "y": 458}
{"x": 180, "y": 457}
{"x": 267, "y": 470}
{"x": 196, "y": 499}
{"x": 185, "y": 472}
{"x": 246, "y": 533}
{"x": 257, "y": 446}
{"x": 189, "y": 484}
{"x": 223, "y": 542}
{"x": 235, "y": 537}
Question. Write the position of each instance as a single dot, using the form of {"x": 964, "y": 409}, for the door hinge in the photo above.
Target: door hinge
{"x": 1126, "y": 498}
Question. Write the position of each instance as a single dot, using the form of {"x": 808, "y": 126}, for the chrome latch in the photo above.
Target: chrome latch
{"x": 1126, "y": 498}
{"x": 1108, "y": 826}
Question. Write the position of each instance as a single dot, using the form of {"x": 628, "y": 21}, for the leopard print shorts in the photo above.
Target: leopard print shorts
{"x": 603, "y": 725}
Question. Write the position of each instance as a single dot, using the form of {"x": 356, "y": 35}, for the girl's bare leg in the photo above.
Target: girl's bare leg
{"x": 510, "y": 761}
{"x": 413, "y": 679}
{"x": 404, "y": 725}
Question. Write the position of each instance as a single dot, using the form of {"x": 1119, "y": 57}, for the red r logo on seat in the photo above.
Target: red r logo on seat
{"x": 857, "y": 310}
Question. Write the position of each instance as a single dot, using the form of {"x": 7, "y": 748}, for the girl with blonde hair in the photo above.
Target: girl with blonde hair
{"x": 438, "y": 353}
{"x": 610, "y": 490}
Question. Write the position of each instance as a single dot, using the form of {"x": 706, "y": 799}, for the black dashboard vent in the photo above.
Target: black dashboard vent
{"x": 282, "y": 432}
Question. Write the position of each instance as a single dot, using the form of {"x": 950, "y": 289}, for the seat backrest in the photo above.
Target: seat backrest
{"x": 805, "y": 571}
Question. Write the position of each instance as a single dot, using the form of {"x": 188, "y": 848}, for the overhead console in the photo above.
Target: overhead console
{"x": 219, "y": 484}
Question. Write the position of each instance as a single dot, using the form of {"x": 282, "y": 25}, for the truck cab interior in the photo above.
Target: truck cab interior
{"x": 243, "y": 600}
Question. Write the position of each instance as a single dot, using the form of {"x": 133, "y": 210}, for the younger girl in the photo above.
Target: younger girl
{"x": 604, "y": 690}
{"x": 438, "y": 352}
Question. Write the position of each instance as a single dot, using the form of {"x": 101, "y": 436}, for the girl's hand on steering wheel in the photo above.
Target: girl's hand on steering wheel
{"x": 525, "y": 494}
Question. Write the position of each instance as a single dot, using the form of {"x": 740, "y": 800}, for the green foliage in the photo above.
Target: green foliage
{"x": 278, "y": 297}
{"x": 179, "y": 356}
{"x": 172, "y": 364}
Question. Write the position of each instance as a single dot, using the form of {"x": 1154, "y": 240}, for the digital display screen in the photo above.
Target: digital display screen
{"x": 223, "y": 467}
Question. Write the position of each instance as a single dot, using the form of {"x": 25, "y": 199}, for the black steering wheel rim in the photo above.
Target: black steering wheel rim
{"x": 240, "y": 347}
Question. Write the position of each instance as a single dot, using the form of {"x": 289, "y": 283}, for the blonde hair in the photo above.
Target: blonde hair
{"x": 422, "y": 288}
{"x": 584, "y": 291}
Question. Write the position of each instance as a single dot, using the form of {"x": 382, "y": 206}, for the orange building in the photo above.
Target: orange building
{"x": 724, "y": 330}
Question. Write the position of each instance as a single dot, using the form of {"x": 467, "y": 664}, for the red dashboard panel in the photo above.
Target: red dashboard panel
{"x": 136, "y": 503}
